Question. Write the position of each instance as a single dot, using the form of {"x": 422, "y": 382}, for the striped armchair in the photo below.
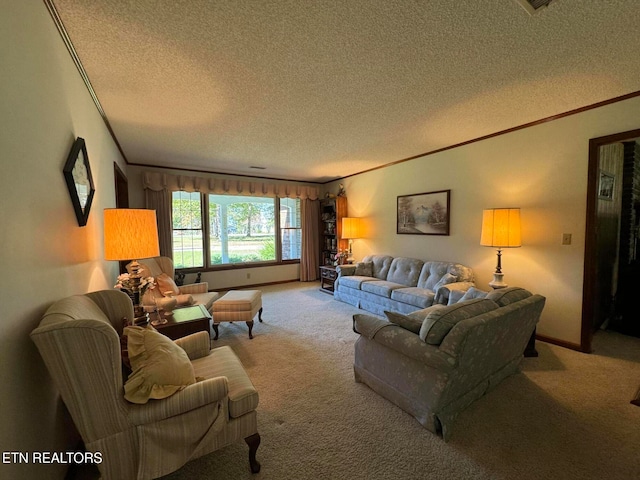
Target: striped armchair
{"x": 198, "y": 293}
{"x": 79, "y": 340}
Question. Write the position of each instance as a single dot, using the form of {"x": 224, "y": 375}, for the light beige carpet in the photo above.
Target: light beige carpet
{"x": 567, "y": 416}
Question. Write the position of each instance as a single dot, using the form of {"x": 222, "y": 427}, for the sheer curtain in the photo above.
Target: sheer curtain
{"x": 160, "y": 201}
{"x": 310, "y": 257}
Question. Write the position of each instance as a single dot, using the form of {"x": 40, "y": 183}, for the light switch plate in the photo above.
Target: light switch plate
{"x": 566, "y": 239}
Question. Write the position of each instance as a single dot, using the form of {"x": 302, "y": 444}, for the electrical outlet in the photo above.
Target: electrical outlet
{"x": 566, "y": 239}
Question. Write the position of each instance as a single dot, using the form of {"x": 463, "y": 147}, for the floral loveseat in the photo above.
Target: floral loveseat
{"x": 382, "y": 282}
{"x": 435, "y": 362}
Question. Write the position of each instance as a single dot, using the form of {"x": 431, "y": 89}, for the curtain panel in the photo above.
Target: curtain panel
{"x": 310, "y": 254}
{"x": 157, "y": 181}
{"x": 160, "y": 201}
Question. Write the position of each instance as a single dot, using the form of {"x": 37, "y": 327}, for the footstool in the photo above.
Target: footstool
{"x": 237, "y": 306}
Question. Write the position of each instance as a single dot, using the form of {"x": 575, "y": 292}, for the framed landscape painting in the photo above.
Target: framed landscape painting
{"x": 424, "y": 213}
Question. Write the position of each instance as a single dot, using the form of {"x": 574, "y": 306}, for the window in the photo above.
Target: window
{"x": 241, "y": 229}
{"x": 290, "y": 228}
{"x": 187, "y": 229}
{"x": 237, "y": 229}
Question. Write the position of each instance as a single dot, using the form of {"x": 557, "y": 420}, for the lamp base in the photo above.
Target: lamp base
{"x": 497, "y": 281}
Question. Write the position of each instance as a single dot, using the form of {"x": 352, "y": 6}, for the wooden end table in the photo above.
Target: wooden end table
{"x": 183, "y": 322}
{"x": 328, "y": 277}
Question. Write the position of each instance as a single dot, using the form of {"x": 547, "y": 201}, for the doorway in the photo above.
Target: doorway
{"x": 611, "y": 232}
{"x": 122, "y": 198}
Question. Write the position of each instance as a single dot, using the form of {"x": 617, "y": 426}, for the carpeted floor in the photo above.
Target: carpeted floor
{"x": 566, "y": 416}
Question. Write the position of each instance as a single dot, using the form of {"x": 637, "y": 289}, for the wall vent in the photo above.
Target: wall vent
{"x": 533, "y": 6}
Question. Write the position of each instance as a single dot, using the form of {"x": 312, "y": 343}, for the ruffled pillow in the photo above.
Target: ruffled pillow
{"x": 166, "y": 284}
{"x": 160, "y": 368}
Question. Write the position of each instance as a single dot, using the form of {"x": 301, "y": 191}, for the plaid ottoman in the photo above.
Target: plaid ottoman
{"x": 237, "y": 306}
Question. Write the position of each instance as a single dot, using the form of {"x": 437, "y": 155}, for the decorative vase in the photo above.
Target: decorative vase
{"x": 167, "y": 304}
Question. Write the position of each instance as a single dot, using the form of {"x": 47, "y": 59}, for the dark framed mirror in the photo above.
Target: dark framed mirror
{"x": 77, "y": 173}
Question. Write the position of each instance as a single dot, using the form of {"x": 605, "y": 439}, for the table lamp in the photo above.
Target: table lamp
{"x": 131, "y": 234}
{"x": 500, "y": 229}
{"x": 350, "y": 230}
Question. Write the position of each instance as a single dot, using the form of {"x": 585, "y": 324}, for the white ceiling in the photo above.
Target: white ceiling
{"x": 314, "y": 90}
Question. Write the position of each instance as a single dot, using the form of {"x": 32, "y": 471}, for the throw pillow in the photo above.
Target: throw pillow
{"x": 422, "y": 314}
{"x": 364, "y": 269}
{"x": 505, "y": 296}
{"x": 404, "y": 321}
{"x": 167, "y": 284}
{"x": 472, "y": 293}
{"x": 439, "y": 322}
{"x": 446, "y": 279}
{"x": 160, "y": 368}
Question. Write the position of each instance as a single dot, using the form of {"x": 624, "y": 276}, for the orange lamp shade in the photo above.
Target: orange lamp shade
{"x": 351, "y": 227}
{"x": 501, "y": 228}
{"x": 130, "y": 234}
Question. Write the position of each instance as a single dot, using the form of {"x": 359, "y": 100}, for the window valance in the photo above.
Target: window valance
{"x": 227, "y": 186}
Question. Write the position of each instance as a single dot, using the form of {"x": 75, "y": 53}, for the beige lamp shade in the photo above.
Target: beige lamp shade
{"x": 351, "y": 227}
{"x": 501, "y": 228}
{"x": 130, "y": 234}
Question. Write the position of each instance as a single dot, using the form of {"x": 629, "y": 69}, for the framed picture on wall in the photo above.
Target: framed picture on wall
{"x": 424, "y": 213}
{"x": 77, "y": 173}
{"x": 605, "y": 185}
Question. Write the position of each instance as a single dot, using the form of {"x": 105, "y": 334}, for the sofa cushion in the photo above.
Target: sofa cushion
{"x": 440, "y": 321}
{"x": 364, "y": 269}
{"x": 380, "y": 287}
{"x": 355, "y": 281}
{"x": 159, "y": 367}
{"x": 381, "y": 264}
{"x": 431, "y": 274}
{"x": 422, "y": 314}
{"x": 418, "y": 297}
{"x": 223, "y": 362}
{"x": 405, "y": 321}
{"x": 446, "y": 279}
{"x": 472, "y": 293}
{"x": 405, "y": 271}
{"x": 508, "y": 295}
{"x": 205, "y": 299}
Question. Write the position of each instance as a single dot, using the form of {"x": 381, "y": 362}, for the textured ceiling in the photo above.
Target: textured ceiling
{"x": 319, "y": 89}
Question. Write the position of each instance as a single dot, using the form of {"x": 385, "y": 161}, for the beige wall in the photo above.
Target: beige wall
{"x": 542, "y": 169}
{"x": 45, "y": 255}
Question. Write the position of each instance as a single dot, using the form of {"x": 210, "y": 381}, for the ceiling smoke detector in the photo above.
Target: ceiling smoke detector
{"x": 533, "y": 6}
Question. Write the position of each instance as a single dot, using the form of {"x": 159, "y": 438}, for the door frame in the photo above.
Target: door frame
{"x": 590, "y": 244}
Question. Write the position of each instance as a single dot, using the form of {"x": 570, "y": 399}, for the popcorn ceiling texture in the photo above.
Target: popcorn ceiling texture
{"x": 315, "y": 90}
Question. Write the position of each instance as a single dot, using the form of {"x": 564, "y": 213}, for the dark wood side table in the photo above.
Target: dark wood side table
{"x": 328, "y": 277}
{"x": 184, "y": 321}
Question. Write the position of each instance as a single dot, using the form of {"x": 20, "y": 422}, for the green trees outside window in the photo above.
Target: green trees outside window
{"x": 236, "y": 229}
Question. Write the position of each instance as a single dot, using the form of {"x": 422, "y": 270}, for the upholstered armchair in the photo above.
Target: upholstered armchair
{"x": 161, "y": 268}
{"x": 79, "y": 340}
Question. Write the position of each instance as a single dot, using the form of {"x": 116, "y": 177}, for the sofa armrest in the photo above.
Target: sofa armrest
{"x": 194, "y": 396}
{"x": 443, "y": 293}
{"x": 345, "y": 270}
{"x": 202, "y": 287}
{"x": 196, "y": 345}
{"x": 402, "y": 341}
{"x": 368, "y": 325}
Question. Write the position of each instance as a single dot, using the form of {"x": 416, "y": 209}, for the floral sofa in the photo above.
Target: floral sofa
{"x": 435, "y": 362}
{"x": 382, "y": 282}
